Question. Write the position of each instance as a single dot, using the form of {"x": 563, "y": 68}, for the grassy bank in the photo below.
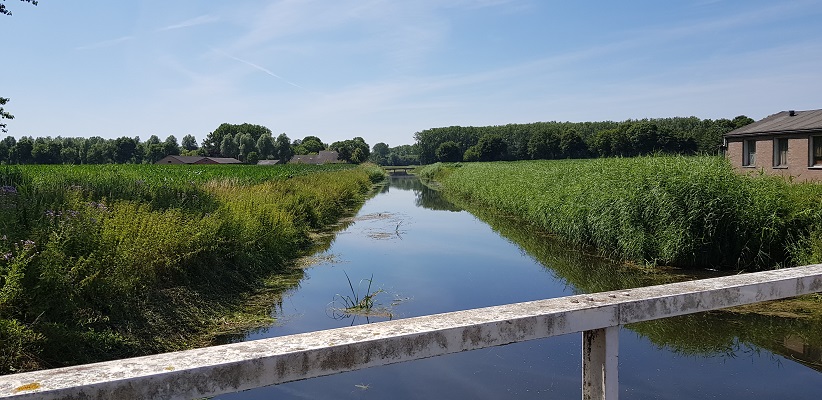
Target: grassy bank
{"x": 102, "y": 262}
{"x": 678, "y": 211}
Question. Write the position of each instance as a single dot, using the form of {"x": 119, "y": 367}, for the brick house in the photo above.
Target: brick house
{"x": 788, "y": 143}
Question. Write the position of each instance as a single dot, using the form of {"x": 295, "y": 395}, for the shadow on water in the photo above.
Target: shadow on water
{"x": 724, "y": 333}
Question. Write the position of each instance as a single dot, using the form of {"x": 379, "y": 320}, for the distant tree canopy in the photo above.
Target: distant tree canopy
{"x": 5, "y": 11}
{"x": 239, "y": 136}
{"x": 354, "y": 151}
{"x": 308, "y": 145}
{"x": 93, "y": 150}
{"x": 557, "y": 140}
{"x": 406, "y": 154}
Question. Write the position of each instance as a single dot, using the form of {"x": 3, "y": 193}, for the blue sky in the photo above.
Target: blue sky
{"x": 384, "y": 69}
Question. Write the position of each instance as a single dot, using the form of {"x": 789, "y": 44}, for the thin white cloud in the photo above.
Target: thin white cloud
{"x": 105, "y": 43}
{"x": 263, "y": 69}
{"x": 202, "y": 19}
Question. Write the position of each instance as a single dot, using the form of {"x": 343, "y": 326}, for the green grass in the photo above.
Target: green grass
{"x": 102, "y": 262}
{"x": 678, "y": 211}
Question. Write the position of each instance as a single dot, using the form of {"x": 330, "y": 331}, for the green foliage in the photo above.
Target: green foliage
{"x": 99, "y": 262}
{"x": 449, "y": 152}
{"x": 213, "y": 143}
{"x": 284, "y": 150}
{"x": 490, "y": 148}
{"x": 354, "y": 150}
{"x": 558, "y": 140}
{"x": 379, "y": 154}
{"x": 680, "y": 211}
{"x": 401, "y": 155}
{"x": 309, "y": 145}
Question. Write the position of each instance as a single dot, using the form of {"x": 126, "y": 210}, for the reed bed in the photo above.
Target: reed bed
{"x": 671, "y": 210}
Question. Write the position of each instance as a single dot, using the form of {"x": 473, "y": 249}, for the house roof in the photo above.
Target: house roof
{"x": 224, "y": 160}
{"x": 199, "y": 159}
{"x": 187, "y": 159}
{"x": 268, "y": 162}
{"x": 782, "y": 123}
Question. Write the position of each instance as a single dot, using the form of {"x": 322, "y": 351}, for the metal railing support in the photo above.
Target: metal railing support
{"x": 600, "y": 360}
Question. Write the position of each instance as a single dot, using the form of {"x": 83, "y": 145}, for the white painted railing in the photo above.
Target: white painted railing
{"x": 234, "y": 367}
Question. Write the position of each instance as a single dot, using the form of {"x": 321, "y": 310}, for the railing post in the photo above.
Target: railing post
{"x": 600, "y": 359}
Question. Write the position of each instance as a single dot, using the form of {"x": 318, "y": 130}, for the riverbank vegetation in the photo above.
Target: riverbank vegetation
{"x": 103, "y": 262}
{"x": 692, "y": 212}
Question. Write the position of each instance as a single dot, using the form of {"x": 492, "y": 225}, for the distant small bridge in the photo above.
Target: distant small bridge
{"x": 403, "y": 170}
{"x": 239, "y": 366}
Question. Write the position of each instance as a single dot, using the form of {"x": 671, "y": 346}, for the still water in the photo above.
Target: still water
{"x": 428, "y": 256}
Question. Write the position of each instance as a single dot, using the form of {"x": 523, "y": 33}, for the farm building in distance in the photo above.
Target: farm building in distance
{"x": 197, "y": 160}
{"x": 788, "y": 143}
{"x": 325, "y": 157}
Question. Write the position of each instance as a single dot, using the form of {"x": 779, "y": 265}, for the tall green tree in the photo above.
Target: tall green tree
{"x": 380, "y": 154}
{"x": 266, "y": 147}
{"x": 189, "y": 143}
{"x": 309, "y": 145}
{"x": 246, "y": 144}
{"x": 284, "y": 150}
{"x": 153, "y": 149}
{"x": 124, "y": 150}
{"x": 353, "y": 150}
{"x": 22, "y": 150}
{"x": 490, "y": 148}
{"x": 171, "y": 147}
{"x": 449, "y": 152}
{"x": 214, "y": 140}
{"x": 229, "y": 147}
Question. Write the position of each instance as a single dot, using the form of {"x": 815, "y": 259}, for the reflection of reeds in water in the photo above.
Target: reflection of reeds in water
{"x": 726, "y": 332}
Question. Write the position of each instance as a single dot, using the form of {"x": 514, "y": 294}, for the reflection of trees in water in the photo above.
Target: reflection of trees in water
{"x": 723, "y": 332}
{"x": 426, "y": 197}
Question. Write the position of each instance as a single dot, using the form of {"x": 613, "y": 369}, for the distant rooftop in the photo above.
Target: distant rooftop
{"x": 783, "y": 122}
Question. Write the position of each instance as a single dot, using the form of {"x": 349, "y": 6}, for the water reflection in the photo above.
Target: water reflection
{"x": 447, "y": 260}
{"x": 724, "y": 333}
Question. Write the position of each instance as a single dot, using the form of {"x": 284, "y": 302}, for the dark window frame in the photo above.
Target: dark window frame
{"x": 749, "y": 153}
{"x": 780, "y": 152}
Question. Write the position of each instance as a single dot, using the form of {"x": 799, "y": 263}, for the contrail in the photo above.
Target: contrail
{"x": 267, "y": 71}
{"x": 203, "y": 19}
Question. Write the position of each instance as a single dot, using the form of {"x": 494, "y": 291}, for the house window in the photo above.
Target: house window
{"x": 780, "y": 153}
{"x": 816, "y": 153}
{"x": 749, "y": 153}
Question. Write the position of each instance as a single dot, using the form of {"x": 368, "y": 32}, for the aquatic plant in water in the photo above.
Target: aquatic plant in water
{"x": 346, "y": 306}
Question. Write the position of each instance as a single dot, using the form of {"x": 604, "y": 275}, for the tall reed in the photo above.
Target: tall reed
{"x": 673, "y": 210}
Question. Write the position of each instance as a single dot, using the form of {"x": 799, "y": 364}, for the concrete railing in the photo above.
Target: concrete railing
{"x": 234, "y": 367}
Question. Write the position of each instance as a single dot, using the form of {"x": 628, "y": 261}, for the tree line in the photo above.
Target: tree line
{"x": 246, "y": 142}
{"x": 559, "y": 140}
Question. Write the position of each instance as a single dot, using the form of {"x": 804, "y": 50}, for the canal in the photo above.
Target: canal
{"x": 423, "y": 255}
